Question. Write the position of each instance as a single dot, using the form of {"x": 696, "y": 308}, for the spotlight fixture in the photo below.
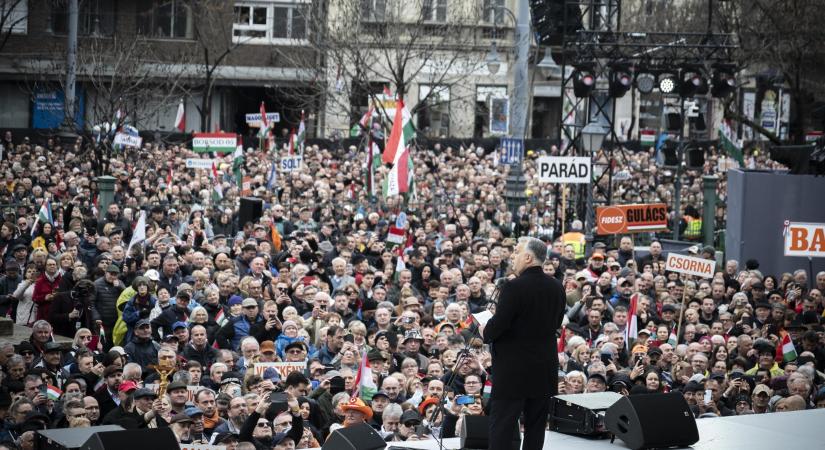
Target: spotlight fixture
{"x": 645, "y": 82}
{"x": 667, "y": 83}
{"x": 620, "y": 82}
{"x": 692, "y": 83}
{"x": 724, "y": 81}
{"x": 584, "y": 81}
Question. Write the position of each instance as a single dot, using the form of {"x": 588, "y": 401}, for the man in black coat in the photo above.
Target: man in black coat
{"x": 522, "y": 334}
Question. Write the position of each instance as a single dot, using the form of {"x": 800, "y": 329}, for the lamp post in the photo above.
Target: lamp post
{"x": 592, "y": 137}
{"x": 514, "y": 187}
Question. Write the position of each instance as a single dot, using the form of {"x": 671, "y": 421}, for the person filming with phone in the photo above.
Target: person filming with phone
{"x": 522, "y": 336}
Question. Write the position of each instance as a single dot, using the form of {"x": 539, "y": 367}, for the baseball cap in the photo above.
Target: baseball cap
{"x": 248, "y": 302}
{"x": 127, "y": 386}
{"x": 762, "y": 389}
{"x": 142, "y": 322}
{"x": 234, "y": 300}
{"x": 152, "y": 275}
{"x": 144, "y": 392}
{"x": 267, "y": 347}
{"x": 193, "y": 411}
{"x": 178, "y": 324}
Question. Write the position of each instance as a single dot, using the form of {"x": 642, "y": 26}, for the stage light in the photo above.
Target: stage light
{"x": 692, "y": 83}
{"x": 724, "y": 81}
{"x": 584, "y": 81}
{"x": 620, "y": 82}
{"x": 645, "y": 82}
{"x": 667, "y": 83}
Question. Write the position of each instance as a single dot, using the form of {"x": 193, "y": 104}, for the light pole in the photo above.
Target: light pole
{"x": 514, "y": 187}
{"x": 592, "y": 137}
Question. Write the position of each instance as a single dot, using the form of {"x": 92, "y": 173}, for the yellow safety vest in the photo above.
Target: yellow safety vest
{"x": 694, "y": 228}
{"x": 575, "y": 239}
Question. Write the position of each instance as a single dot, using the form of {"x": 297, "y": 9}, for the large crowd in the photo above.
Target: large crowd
{"x": 179, "y": 327}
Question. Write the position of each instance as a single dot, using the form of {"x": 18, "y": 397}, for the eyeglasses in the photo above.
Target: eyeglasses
{"x": 249, "y": 307}
{"x": 86, "y": 338}
{"x": 410, "y": 424}
{"x": 26, "y": 353}
{"x": 472, "y": 382}
{"x": 262, "y": 425}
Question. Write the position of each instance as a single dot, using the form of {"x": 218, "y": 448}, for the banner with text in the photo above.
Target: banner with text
{"x": 214, "y": 142}
{"x": 564, "y": 169}
{"x": 197, "y": 163}
{"x": 253, "y": 120}
{"x": 128, "y": 140}
{"x": 805, "y": 239}
{"x": 690, "y": 265}
{"x": 283, "y": 368}
{"x": 290, "y": 163}
{"x": 617, "y": 219}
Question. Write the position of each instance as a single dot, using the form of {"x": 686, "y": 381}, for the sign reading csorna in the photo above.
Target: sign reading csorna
{"x": 690, "y": 265}
{"x": 631, "y": 218}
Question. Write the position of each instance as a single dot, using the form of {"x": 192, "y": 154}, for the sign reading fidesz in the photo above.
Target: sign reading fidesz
{"x": 690, "y": 265}
{"x": 564, "y": 169}
{"x": 805, "y": 239}
{"x": 631, "y": 218}
{"x": 214, "y": 142}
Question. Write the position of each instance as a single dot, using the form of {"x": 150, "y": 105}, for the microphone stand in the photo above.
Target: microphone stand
{"x": 462, "y": 355}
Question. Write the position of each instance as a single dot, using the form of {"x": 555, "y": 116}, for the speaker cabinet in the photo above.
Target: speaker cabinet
{"x": 475, "y": 432}
{"x": 250, "y": 211}
{"x": 156, "y": 438}
{"x": 358, "y": 437}
{"x": 68, "y": 438}
{"x": 652, "y": 421}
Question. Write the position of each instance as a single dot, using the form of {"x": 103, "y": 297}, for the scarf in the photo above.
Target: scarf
{"x": 211, "y": 422}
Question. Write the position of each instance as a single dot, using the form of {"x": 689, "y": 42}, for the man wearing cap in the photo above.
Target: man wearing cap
{"x": 522, "y": 334}
{"x": 107, "y": 396}
{"x": 51, "y": 363}
{"x": 596, "y": 267}
{"x": 142, "y": 349}
{"x": 178, "y": 395}
{"x": 107, "y": 290}
{"x": 179, "y": 312}
{"x": 237, "y": 328}
{"x": 406, "y": 427}
{"x": 624, "y": 289}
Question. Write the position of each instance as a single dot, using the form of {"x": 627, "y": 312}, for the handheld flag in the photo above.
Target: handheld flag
{"x": 44, "y": 215}
{"x": 632, "y": 328}
{"x": 180, "y": 117}
{"x": 786, "y": 351}
{"x": 217, "y": 190}
{"x": 237, "y": 164}
{"x": 139, "y": 234}
{"x": 53, "y": 393}
{"x": 365, "y": 386}
{"x": 397, "y": 151}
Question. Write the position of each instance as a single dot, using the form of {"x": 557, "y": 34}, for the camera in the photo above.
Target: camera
{"x": 407, "y": 320}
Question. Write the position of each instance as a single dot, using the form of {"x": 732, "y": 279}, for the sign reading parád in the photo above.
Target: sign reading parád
{"x": 214, "y": 142}
{"x": 564, "y": 169}
{"x": 805, "y": 239}
{"x": 690, "y": 265}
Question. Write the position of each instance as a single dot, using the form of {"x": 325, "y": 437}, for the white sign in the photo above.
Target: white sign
{"x": 290, "y": 163}
{"x": 197, "y": 163}
{"x": 254, "y": 119}
{"x": 127, "y": 140}
{"x": 690, "y": 265}
{"x": 283, "y": 368}
{"x": 805, "y": 239}
{"x": 564, "y": 169}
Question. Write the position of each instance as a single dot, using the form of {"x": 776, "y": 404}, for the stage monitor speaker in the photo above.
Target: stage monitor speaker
{"x": 673, "y": 121}
{"x": 652, "y": 421}
{"x": 581, "y": 414}
{"x": 68, "y": 438}
{"x": 250, "y": 211}
{"x": 475, "y": 432}
{"x": 155, "y": 438}
{"x": 359, "y": 437}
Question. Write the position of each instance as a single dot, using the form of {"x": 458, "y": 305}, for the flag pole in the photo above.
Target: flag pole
{"x": 681, "y": 314}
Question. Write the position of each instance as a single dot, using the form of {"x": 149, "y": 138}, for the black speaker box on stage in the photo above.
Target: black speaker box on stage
{"x": 359, "y": 437}
{"x": 652, "y": 421}
{"x": 154, "y": 438}
{"x": 68, "y": 438}
{"x": 475, "y": 432}
{"x": 581, "y": 414}
{"x": 250, "y": 211}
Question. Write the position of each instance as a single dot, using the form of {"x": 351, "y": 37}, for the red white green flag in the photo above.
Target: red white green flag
{"x": 364, "y": 384}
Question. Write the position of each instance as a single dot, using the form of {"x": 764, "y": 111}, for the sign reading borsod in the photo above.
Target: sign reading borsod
{"x": 690, "y": 265}
{"x": 214, "y": 142}
{"x": 564, "y": 169}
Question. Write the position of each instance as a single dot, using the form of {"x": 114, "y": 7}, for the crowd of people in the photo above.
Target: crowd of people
{"x": 194, "y": 308}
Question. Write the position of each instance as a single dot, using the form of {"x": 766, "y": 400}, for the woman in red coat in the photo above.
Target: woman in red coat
{"x": 45, "y": 287}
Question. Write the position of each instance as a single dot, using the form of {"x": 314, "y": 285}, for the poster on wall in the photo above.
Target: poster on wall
{"x": 499, "y": 116}
{"x": 48, "y": 106}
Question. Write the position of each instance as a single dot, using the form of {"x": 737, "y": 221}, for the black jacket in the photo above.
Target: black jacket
{"x": 142, "y": 351}
{"x": 7, "y": 287}
{"x": 167, "y": 318}
{"x": 106, "y": 295}
{"x": 206, "y": 356}
{"x": 522, "y": 334}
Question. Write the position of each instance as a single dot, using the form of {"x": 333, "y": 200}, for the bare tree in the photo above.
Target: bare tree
{"x": 13, "y": 13}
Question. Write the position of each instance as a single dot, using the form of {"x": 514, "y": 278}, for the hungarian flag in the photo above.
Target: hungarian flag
{"x": 180, "y": 117}
{"x": 785, "y": 351}
{"x": 562, "y": 341}
{"x": 364, "y": 384}
{"x": 372, "y": 152}
{"x": 362, "y": 124}
{"x": 632, "y": 329}
{"x": 53, "y": 393}
{"x": 139, "y": 235}
{"x": 217, "y": 190}
{"x": 237, "y": 164}
{"x": 44, "y": 215}
{"x": 672, "y": 339}
{"x": 300, "y": 137}
{"x": 397, "y": 151}
{"x": 728, "y": 141}
{"x": 220, "y": 319}
{"x": 264, "y": 130}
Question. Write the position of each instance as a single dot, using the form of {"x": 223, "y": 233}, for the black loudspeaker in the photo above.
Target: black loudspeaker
{"x": 475, "y": 432}
{"x": 68, "y": 438}
{"x": 581, "y": 414}
{"x": 358, "y": 437}
{"x": 155, "y": 438}
{"x": 652, "y": 421}
{"x": 251, "y": 210}
{"x": 673, "y": 121}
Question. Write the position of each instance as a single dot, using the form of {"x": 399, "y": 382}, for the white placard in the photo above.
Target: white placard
{"x": 564, "y": 169}
{"x": 127, "y": 140}
{"x": 197, "y": 163}
{"x": 253, "y": 120}
{"x": 690, "y": 265}
{"x": 283, "y": 368}
{"x": 805, "y": 239}
{"x": 290, "y": 163}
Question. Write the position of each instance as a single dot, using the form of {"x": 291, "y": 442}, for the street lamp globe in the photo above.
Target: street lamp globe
{"x": 593, "y": 137}
{"x": 548, "y": 67}
{"x": 492, "y": 60}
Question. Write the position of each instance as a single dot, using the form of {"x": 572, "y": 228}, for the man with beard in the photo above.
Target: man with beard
{"x": 205, "y": 400}
{"x": 236, "y": 415}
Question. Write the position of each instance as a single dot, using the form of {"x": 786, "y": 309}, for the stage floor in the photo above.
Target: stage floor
{"x": 799, "y": 429}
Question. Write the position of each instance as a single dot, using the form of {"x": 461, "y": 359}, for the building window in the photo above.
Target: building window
{"x": 267, "y": 22}
{"x": 14, "y": 16}
{"x": 373, "y": 10}
{"x": 165, "y": 19}
{"x": 434, "y": 11}
{"x": 433, "y": 117}
{"x": 95, "y": 18}
{"x": 484, "y": 96}
{"x": 493, "y": 12}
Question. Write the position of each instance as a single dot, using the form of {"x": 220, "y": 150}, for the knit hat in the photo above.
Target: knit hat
{"x": 290, "y": 323}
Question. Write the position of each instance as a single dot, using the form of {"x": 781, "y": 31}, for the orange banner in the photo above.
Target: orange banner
{"x": 616, "y": 219}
